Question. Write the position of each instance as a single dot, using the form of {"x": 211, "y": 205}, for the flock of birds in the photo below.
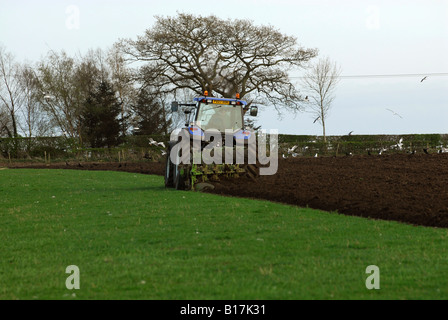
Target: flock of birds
{"x": 292, "y": 151}
{"x": 399, "y": 146}
{"x": 152, "y": 142}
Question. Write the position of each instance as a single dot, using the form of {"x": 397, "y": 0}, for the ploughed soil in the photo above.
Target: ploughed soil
{"x": 400, "y": 187}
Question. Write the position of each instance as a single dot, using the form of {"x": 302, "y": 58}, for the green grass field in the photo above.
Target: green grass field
{"x": 133, "y": 239}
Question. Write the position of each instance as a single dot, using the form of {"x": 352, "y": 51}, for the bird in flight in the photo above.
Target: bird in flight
{"x": 424, "y": 79}
{"x": 394, "y": 113}
{"x": 292, "y": 149}
{"x": 316, "y": 119}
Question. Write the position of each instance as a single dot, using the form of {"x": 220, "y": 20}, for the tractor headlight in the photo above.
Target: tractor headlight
{"x": 243, "y": 134}
{"x": 195, "y": 131}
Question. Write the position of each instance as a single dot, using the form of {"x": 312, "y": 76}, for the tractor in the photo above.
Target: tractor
{"x": 215, "y": 143}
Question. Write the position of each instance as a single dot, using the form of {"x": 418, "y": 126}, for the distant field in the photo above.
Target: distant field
{"x": 133, "y": 239}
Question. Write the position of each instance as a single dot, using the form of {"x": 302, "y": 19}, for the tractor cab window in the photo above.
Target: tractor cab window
{"x": 220, "y": 117}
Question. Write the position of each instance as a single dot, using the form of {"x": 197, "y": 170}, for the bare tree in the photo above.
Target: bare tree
{"x": 58, "y": 95}
{"x": 33, "y": 121}
{"x": 65, "y": 83}
{"x": 220, "y": 56}
{"x": 320, "y": 82}
{"x": 11, "y": 94}
{"x": 122, "y": 78}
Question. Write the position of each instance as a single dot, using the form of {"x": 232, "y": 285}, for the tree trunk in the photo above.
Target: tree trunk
{"x": 323, "y": 131}
{"x": 322, "y": 117}
{"x": 14, "y": 124}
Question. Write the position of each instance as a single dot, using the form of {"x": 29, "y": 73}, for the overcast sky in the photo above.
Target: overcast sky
{"x": 402, "y": 41}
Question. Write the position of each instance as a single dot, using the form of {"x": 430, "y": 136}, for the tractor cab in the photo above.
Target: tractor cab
{"x": 221, "y": 114}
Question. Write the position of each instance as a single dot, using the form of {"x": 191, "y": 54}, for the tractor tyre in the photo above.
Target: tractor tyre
{"x": 179, "y": 180}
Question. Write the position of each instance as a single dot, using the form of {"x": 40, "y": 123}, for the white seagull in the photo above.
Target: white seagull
{"x": 399, "y": 145}
{"x": 292, "y": 149}
{"x": 382, "y": 150}
{"x": 394, "y": 113}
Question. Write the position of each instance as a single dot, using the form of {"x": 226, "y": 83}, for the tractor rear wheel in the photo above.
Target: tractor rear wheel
{"x": 179, "y": 180}
{"x": 180, "y": 171}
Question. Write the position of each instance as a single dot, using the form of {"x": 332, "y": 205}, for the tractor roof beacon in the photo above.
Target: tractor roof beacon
{"x": 205, "y": 119}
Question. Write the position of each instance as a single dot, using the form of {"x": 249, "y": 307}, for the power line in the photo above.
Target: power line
{"x": 398, "y": 75}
